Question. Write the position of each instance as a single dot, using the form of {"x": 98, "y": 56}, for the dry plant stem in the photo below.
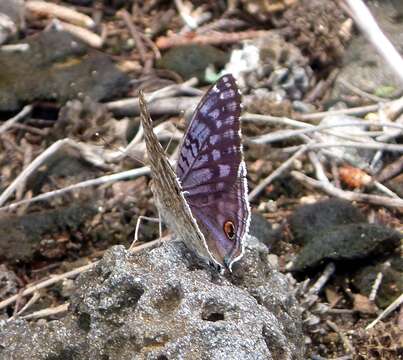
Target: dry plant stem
{"x": 47, "y": 312}
{"x": 392, "y": 109}
{"x": 321, "y": 87}
{"x": 166, "y": 106}
{"x": 357, "y": 111}
{"x": 88, "y": 152}
{"x": 282, "y": 135}
{"x": 12, "y": 48}
{"x": 323, "y": 279}
{"x": 264, "y": 119}
{"x": 10, "y": 122}
{"x": 35, "y": 297}
{"x": 31, "y": 168}
{"x": 129, "y": 174}
{"x": 56, "y": 278}
{"x": 214, "y": 38}
{"x": 395, "y": 304}
{"x": 375, "y": 287}
{"x": 385, "y": 190}
{"x": 391, "y": 170}
{"x": 89, "y": 37}
{"x": 360, "y": 92}
{"x": 344, "y": 194}
{"x": 44, "y": 8}
{"x": 185, "y": 15}
{"x": 43, "y": 284}
{"x": 358, "y": 145}
{"x": 135, "y": 34}
{"x": 346, "y": 342}
{"x": 30, "y": 129}
{"x": 276, "y": 173}
{"x": 319, "y": 171}
{"x": 367, "y": 24}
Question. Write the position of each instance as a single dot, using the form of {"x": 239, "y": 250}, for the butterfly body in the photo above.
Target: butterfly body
{"x": 205, "y": 202}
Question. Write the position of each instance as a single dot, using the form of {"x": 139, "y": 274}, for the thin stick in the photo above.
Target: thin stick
{"x": 393, "y": 306}
{"x": 185, "y": 15}
{"x": 129, "y": 174}
{"x": 368, "y": 145}
{"x": 366, "y": 22}
{"x": 346, "y": 342}
{"x": 360, "y": 110}
{"x": 44, "y": 8}
{"x": 264, "y": 119}
{"x": 281, "y": 135}
{"x": 29, "y": 303}
{"x": 87, "y": 36}
{"x": 69, "y": 274}
{"x": 360, "y": 92}
{"x": 54, "y": 279}
{"x": 276, "y": 173}
{"x": 323, "y": 279}
{"x": 347, "y": 195}
{"x": 89, "y": 152}
{"x": 38, "y": 162}
{"x": 375, "y": 287}
{"x": 47, "y": 312}
{"x": 10, "y": 122}
{"x": 213, "y": 38}
{"x": 135, "y": 34}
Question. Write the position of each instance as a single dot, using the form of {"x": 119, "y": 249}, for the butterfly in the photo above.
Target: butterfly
{"x": 205, "y": 202}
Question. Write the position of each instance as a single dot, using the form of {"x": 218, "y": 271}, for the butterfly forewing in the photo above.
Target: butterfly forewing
{"x": 211, "y": 149}
{"x": 213, "y": 174}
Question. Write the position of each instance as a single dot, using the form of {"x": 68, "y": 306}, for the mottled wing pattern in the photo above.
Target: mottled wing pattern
{"x": 212, "y": 172}
{"x": 211, "y": 149}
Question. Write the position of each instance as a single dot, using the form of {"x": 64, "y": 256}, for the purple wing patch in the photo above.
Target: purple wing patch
{"x": 213, "y": 174}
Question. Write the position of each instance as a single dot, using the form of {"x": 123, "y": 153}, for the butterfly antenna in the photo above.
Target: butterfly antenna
{"x": 123, "y": 151}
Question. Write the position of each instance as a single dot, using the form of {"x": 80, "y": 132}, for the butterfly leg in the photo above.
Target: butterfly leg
{"x": 136, "y": 232}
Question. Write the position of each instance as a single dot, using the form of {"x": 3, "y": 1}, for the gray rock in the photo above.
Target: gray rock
{"x": 64, "y": 67}
{"x": 23, "y": 236}
{"x": 309, "y": 220}
{"x": 160, "y": 304}
{"x": 192, "y": 60}
{"x": 347, "y": 243}
{"x": 334, "y": 230}
{"x": 262, "y": 230}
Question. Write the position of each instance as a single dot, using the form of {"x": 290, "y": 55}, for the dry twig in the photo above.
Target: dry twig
{"x": 214, "y": 38}
{"x": 45, "y": 8}
{"x": 89, "y": 37}
{"x": 366, "y": 22}
{"x": 57, "y": 310}
{"x": 135, "y": 34}
{"x": 393, "y": 306}
{"x": 347, "y": 195}
{"x": 67, "y": 275}
{"x": 276, "y": 173}
{"x": 12, "y": 121}
{"x": 124, "y": 175}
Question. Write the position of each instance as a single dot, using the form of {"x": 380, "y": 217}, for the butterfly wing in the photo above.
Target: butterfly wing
{"x": 213, "y": 174}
